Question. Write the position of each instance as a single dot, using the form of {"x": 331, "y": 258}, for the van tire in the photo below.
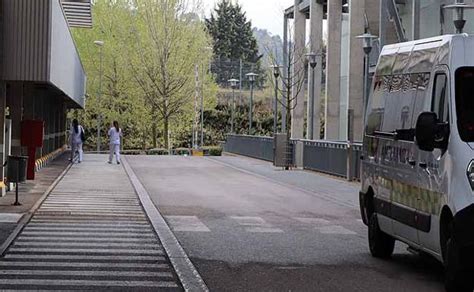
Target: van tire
{"x": 380, "y": 243}
{"x": 456, "y": 277}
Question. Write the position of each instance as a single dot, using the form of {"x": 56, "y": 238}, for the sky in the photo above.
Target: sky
{"x": 264, "y": 14}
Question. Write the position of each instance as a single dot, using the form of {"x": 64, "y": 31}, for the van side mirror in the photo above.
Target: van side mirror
{"x": 425, "y": 131}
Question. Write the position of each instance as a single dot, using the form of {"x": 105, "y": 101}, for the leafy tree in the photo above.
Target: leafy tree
{"x": 169, "y": 46}
{"x": 151, "y": 48}
{"x": 233, "y": 41}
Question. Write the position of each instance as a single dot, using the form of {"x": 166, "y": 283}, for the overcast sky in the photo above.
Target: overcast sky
{"x": 264, "y": 14}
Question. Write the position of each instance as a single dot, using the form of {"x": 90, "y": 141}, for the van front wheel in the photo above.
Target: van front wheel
{"x": 381, "y": 244}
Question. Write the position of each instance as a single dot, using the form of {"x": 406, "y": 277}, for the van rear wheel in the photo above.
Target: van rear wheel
{"x": 380, "y": 243}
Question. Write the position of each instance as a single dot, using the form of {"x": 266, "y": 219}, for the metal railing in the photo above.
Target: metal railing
{"x": 318, "y": 155}
{"x": 332, "y": 158}
{"x": 253, "y": 146}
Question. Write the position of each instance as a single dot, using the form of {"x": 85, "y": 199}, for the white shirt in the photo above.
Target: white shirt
{"x": 76, "y": 137}
{"x": 115, "y": 135}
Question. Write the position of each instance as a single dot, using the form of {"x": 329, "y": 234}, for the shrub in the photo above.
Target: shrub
{"x": 182, "y": 151}
{"x": 157, "y": 151}
{"x": 212, "y": 150}
{"x": 133, "y": 152}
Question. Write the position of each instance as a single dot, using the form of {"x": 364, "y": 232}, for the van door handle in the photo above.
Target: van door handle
{"x": 423, "y": 165}
{"x": 412, "y": 162}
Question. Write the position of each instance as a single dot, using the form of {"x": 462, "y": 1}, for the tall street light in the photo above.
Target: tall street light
{"x": 312, "y": 63}
{"x": 459, "y": 20}
{"x": 367, "y": 39}
{"x": 209, "y": 49}
{"x": 233, "y": 84}
{"x": 251, "y": 76}
{"x": 100, "y": 44}
{"x": 276, "y": 74}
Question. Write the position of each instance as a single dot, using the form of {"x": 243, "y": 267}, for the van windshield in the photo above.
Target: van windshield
{"x": 465, "y": 103}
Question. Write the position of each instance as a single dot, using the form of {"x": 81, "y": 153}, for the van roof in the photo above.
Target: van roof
{"x": 416, "y": 56}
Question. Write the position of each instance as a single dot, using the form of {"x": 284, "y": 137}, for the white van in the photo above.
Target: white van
{"x": 418, "y": 156}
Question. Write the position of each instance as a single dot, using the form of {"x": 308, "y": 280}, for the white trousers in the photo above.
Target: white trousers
{"x": 77, "y": 147}
{"x": 114, "y": 148}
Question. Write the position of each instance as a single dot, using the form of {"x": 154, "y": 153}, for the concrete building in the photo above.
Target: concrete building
{"x": 391, "y": 20}
{"x": 41, "y": 72}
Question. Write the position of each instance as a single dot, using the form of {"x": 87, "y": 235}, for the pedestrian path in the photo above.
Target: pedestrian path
{"x": 91, "y": 233}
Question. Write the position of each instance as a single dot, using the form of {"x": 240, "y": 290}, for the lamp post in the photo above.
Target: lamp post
{"x": 208, "y": 49}
{"x": 233, "y": 84}
{"x": 276, "y": 74}
{"x": 251, "y": 76}
{"x": 100, "y": 44}
{"x": 312, "y": 63}
{"x": 459, "y": 20}
{"x": 367, "y": 39}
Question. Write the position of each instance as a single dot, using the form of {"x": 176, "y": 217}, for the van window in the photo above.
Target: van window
{"x": 439, "y": 103}
{"x": 464, "y": 85}
{"x": 377, "y": 105}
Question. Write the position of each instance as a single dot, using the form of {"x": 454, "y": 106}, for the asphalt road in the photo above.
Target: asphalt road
{"x": 250, "y": 227}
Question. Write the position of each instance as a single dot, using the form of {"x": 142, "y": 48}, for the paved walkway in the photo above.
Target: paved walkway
{"x": 90, "y": 233}
{"x": 30, "y": 193}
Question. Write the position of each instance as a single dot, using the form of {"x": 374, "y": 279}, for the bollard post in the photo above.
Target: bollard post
{"x": 350, "y": 140}
{"x": 17, "y": 202}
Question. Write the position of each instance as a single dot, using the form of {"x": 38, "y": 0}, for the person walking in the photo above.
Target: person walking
{"x": 115, "y": 134}
{"x": 77, "y": 138}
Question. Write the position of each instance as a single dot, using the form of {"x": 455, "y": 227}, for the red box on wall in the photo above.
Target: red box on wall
{"x": 32, "y": 132}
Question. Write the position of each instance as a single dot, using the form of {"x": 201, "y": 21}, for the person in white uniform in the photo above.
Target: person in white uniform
{"x": 77, "y": 135}
{"x": 115, "y": 134}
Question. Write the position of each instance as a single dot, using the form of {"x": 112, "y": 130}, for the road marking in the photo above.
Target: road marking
{"x": 85, "y": 239}
{"x": 56, "y": 282}
{"x": 87, "y": 250}
{"x": 186, "y": 223}
{"x": 87, "y": 244}
{"x": 10, "y": 217}
{"x": 89, "y": 229}
{"x": 336, "y": 229}
{"x": 89, "y": 225}
{"x": 87, "y": 273}
{"x": 324, "y": 226}
{"x": 83, "y": 265}
{"x": 255, "y": 224}
{"x": 153, "y": 258}
{"x": 313, "y": 221}
{"x": 81, "y": 234}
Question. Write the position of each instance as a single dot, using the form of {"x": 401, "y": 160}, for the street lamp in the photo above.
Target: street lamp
{"x": 276, "y": 74}
{"x": 459, "y": 20}
{"x": 233, "y": 84}
{"x": 367, "y": 39}
{"x": 251, "y": 76}
{"x": 208, "y": 49}
{"x": 312, "y": 63}
{"x": 100, "y": 44}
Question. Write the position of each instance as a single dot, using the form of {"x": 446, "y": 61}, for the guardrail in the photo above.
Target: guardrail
{"x": 253, "y": 146}
{"x": 318, "y": 155}
{"x": 332, "y": 157}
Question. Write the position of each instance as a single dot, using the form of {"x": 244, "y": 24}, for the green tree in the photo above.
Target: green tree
{"x": 169, "y": 46}
{"x": 120, "y": 100}
{"x": 233, "y": 41}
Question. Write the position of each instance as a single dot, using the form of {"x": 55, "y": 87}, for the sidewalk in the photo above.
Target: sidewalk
{"x": 90, "y": 233}
{"x": 29, "y": 194}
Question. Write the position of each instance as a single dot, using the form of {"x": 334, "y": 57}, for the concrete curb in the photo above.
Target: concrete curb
{"x": 187, "y": 273}
{"x": 26, "y": 218}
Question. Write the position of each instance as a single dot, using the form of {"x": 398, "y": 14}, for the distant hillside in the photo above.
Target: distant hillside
{"x": 271, "y": 46}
